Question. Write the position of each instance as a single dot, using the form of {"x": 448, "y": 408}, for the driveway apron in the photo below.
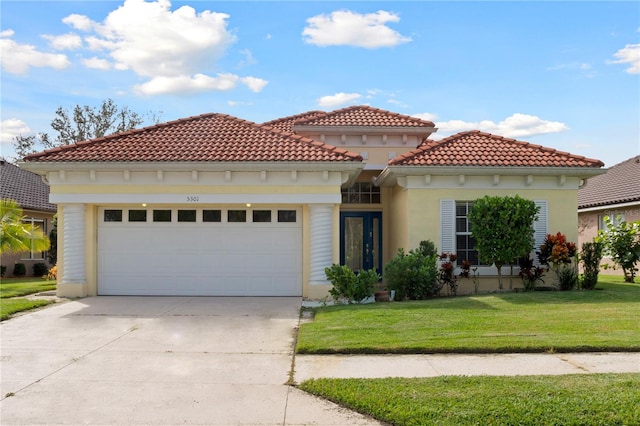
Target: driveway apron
{"x": 158, "y": 360}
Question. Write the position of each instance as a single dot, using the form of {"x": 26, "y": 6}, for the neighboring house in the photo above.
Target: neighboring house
{"x": 615, "y": 194}
{"x": 215, "y": 205}
{"x": 32, "y": 194}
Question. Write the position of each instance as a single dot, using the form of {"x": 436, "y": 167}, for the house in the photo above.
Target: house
{"x": 615, "y": 194}
{"x": 32, "y": 194}
{"x": 216, "y": 205}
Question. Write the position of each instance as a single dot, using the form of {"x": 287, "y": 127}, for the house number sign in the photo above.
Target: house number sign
{"x": 193, "y": 199}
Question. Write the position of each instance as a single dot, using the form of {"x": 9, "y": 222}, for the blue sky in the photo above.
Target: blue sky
{"x": 561, "y": 74}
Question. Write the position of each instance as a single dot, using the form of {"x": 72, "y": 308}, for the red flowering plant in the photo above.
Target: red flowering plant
{"x": 447, "y": 272}
{"x": 558, "y": 254}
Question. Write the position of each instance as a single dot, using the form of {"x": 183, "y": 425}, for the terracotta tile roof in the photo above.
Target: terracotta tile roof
{"x": 363, "y": 115}
{"x": 621, "y": 184}
{"x": 475, "y": 148}
{"x": 207, "y": 137}
{"x": 286, "y": 123}
{"x": 25, "y": 187}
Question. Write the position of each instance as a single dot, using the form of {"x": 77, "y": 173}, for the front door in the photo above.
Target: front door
{"x": 361, "y": 240}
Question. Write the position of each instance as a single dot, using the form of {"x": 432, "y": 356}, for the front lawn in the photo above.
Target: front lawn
{"x": 587, "y": 400}
{"x": 12, "y": 288}
{"x": 11, "y": 306}
{"x": 605, "y": 319}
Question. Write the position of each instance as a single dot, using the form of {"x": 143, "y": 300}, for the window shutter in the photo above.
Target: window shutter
{"x": 447, "y": 226}
{"x": 540, "y": 227}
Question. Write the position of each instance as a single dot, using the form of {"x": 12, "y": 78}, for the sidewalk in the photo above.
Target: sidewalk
{"x": 380, "y": 366}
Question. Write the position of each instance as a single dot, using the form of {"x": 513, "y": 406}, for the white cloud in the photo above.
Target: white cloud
{"x": 18, "y": 58}
{"x": 397, "y": 103}
{"x": 515, "y": 126}
{"x": 338, "y": 99}
{"x": 64, "y": 42}
{"x": 630, "y": 54}
{"x": 171, "y": 49}
{"x": 254, "y": 84}
{"x": 248, "y": 58}
{"x": 97, "y": 63}
{"x": 79, "y": 22}
{"x": 428, "y": 116}
{"x": 200, "y": 82}
{"x": 11, "y": 128}
{"x": 344, "y": 27}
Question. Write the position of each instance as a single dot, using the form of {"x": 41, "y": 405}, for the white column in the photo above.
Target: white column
{"x": 73, "y": 244}
{"x": 321, "y": 217}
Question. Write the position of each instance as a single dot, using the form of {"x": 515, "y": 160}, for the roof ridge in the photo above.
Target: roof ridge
{"x": 365, "y": 107}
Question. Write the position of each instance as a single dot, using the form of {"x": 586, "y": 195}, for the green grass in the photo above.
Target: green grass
{"x": 598, "y": 399}
{"x": 11, "y": 306}
{"x": 605, "y": 319}
{"x": 12, "y": 288}
{"x": 15, "y": 287}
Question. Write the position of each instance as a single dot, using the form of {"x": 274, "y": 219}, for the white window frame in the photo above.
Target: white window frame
{"x": 42, "y": 224}
{"x": 448, "y": 232}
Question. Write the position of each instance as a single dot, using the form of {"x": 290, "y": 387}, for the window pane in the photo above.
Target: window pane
{"x": 137, "y": 215}
{"x": 162, "y": 215}
{"x": 461, "y": 209}
{"x": 237, "y": 216}
{"x": 186, "y": 215}
{"x": 113, "y": 215}
{"x": 211, "y": 216}
{"x": 262, "y": 215}
{"x": 461, "y": 224}
{"x": 286, "y": 215}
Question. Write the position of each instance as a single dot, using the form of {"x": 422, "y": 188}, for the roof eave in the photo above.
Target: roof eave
{"x": 43, "y": 167}
{"x": 390, "y": 174}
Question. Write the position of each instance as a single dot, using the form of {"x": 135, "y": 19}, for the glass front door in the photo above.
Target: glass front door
{"x": 361, "y": 240}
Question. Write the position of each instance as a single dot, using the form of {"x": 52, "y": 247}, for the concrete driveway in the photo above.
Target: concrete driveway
{"x": 158, "y": 360}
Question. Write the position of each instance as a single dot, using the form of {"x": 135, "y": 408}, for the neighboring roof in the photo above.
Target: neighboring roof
{"x": 207, "y": 137}
{"x": 25, "y": 187}
{"x": 363, "y": 116}
{"x": 475, "y": 148}
{"x": 285, "y": 124}
{"x": 621, "y": 184}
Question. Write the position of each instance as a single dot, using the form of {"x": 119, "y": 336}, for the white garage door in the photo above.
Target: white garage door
{"x": 203, "y": 252}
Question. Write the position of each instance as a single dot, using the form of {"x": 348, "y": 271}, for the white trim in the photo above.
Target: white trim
{"x": 609, "y": 207}
{"x": 201, "y": 198}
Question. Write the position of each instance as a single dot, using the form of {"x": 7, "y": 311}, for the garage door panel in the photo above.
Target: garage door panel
{"x": 209, "y": 259}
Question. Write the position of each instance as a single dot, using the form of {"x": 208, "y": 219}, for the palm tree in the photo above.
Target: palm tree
{"x": 17, "y": 236}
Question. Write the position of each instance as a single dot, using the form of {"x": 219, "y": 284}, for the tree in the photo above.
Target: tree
{"x": 622, "y": 243}
{"x": 17, "y": 236}
{"x": 503, "y": 229}
{"x": 83, "y": 123}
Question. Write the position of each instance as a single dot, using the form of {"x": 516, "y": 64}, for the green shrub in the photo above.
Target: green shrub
{"x": 349, "y": 285}
{"x": 567, "y": 277}
{"x": 19, "y": 270}
{"x": 413, "y": 276}
{"x": 591, "y": 256}
{"x": 39, "y": 269}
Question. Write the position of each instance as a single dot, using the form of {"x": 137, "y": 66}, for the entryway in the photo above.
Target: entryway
{"x": 361, "y": 240}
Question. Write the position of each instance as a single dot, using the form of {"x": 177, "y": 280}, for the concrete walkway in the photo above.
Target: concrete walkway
{"x": 380, "y": 366}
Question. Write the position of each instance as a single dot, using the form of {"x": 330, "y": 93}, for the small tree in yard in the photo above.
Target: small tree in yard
{"x": 503, "y": 229}
{"x": 622, "y": 243}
